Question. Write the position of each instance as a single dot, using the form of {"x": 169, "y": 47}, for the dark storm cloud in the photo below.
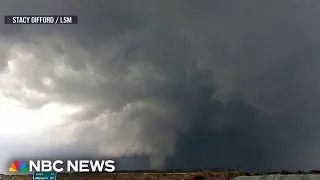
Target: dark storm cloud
{"x": 209, "y": 83}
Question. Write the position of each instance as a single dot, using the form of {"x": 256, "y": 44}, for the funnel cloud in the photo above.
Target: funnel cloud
{"x": 163, "y": 84}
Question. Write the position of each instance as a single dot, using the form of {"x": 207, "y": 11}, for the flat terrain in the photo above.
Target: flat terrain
{"x": 219, "y": 174}
{"x": 161, "y": 175}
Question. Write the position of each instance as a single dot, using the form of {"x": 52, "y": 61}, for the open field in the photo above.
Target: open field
{"x": 152, "y": 175}
{"x": 142, "y": 175}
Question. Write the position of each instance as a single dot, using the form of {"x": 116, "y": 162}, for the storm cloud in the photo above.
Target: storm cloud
{"x": 188, "y": 84}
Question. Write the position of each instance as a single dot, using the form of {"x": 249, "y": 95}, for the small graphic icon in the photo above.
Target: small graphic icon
{"x": 18, "y": 166}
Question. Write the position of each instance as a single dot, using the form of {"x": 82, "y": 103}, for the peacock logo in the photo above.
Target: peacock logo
{"x": 18, "y": 166}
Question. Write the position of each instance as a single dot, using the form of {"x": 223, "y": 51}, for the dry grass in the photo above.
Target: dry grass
{"x": 217, "y": 174}
{"x": 180, "y": 175}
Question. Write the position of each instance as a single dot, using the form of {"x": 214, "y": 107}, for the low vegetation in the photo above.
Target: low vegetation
{"x": 181, "y": 174}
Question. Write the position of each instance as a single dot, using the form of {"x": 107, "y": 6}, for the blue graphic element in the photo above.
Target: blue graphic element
{"x": 44, "y": 176}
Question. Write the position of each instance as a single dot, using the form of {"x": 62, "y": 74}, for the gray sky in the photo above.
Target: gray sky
{"x": 189, "y": 84}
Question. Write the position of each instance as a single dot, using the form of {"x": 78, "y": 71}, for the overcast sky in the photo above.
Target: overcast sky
{"x": 163, "y": 84}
